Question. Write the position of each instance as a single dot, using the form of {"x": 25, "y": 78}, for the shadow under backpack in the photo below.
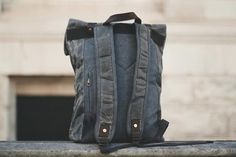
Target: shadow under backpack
{"x": 118, "y": 68}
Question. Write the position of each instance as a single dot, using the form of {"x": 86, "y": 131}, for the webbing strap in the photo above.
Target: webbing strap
{"x": 106, "y": 81}
{"x": 116, "y": 146}
{"x": 135, "y": 112}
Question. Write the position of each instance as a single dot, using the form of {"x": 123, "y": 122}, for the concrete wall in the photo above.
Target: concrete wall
{"x": 1, "y": 6}
{"x": 199, "y": 79}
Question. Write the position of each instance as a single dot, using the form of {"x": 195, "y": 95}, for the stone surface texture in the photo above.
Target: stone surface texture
{"x": 69, "y": 149}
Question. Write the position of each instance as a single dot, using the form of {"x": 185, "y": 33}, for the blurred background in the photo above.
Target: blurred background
{"x": 199, "y": 75}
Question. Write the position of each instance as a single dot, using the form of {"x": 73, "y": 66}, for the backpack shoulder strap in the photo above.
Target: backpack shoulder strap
{"x": 106, "y": 84}
{"x": 135, "y": 112}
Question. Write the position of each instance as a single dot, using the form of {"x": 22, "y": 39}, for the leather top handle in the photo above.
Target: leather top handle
{"x": 123, "y": 17}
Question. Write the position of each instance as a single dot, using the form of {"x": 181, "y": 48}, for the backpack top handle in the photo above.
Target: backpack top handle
{"x": 123, "y": 17}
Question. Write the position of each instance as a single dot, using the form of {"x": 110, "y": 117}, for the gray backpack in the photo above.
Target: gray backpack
{"x": 118, "y": 69}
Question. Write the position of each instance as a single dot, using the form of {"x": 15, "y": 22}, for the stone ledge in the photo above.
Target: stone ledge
{"x": 70, "y": 149}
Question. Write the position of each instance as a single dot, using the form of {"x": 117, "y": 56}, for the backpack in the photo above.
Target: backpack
{"x": 118, "y": 73}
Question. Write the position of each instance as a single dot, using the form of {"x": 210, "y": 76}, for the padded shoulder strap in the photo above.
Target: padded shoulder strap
{"x": 135, "y": 112}
{"x": 106, "y": 81}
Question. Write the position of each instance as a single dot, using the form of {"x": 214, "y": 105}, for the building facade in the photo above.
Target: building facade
{"x": 199, "y": 75}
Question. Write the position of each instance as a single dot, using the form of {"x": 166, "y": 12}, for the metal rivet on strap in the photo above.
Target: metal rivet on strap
{"x": 104, "y": 130}
{"x": 88, "y": 82}
{"x": 135, "y": 128}
{"x": 89, "y": 28}
{"x": 135, "y": 125}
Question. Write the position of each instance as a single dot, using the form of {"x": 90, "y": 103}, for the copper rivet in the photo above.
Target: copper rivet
{"x": 135, "y": 125}
{"x": 104, "y": 130}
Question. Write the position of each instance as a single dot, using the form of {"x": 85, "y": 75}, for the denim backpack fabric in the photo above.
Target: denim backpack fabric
{"x": 118, "y": 71}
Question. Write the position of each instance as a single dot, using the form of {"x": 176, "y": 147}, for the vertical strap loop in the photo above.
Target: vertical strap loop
{"x": 106, "y": 81}
{"x": 136, "y": 108}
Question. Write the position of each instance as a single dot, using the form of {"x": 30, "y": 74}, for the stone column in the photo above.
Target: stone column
{"x": 7, "y": 109}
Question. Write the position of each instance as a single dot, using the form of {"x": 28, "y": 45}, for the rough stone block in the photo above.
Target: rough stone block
{"x": 34, "y": 58}
{"x": 232, "y": 125}
{"x": 4, "y": 101}
{"x": 69, "y": 149}
{"x": 4, "y": 90}
{"x": 199, "y": 59}
{"x": 189, "y": 122}
{"x": 200, "y": 10}
{"x": 220, "y": 9}
{"x": 229, "y": 60}
{"x": 50, "y": 86}
{"x": 181, "y": 9}
{"x": 219, "y": 90}
{"x": 203, "y": 108}
{"x": 7, "y": 109}
{"x": 3, "y": 123}
{"x": 177, "y": 90}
